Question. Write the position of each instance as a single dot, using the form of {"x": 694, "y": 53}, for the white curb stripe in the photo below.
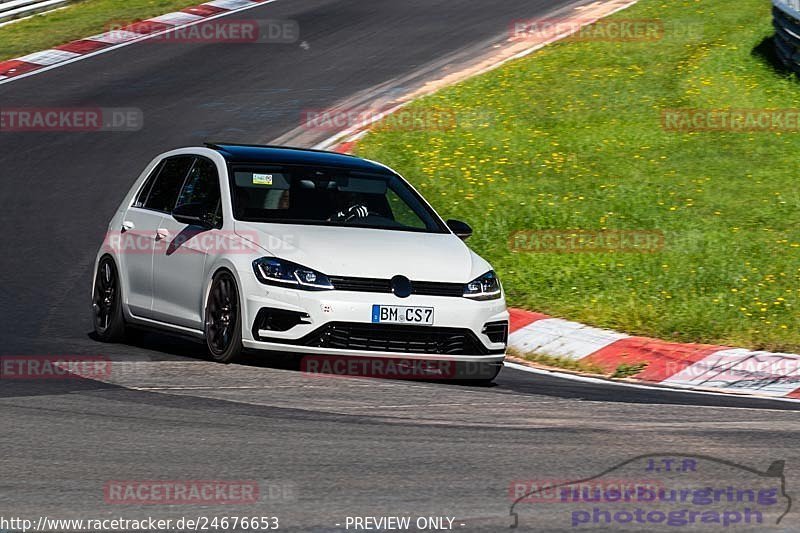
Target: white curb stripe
{"x": 115, "y": 36}
{"x": 48, "y": 57}
{"x": 230, "y": 4}
{"x": 743, "y": 370}
{"x": 562, "y": 338}
{"x": 177, "y": 18}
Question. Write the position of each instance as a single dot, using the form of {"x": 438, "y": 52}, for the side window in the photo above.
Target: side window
{"x": 164, "y": 191}
{"x": 148, "y": 184}
{"x": 202, "y": 189}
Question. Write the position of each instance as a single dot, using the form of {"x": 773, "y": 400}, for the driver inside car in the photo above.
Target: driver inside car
{"x": 351, "y": 206}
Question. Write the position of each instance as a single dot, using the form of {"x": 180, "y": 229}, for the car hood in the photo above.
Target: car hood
{"x": 368, "y": 253}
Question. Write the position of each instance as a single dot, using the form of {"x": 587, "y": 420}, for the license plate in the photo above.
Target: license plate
{"x": 398, "y": 314}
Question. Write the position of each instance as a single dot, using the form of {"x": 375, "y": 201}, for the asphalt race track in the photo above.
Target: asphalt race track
{"x": 338, "y": 447}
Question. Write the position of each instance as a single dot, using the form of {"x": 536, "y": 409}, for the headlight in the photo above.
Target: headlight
{"x": 274, "y": 271}
{"x": 486, "y": 287}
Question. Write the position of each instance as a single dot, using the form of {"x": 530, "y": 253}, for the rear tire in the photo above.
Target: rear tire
{"x": 109, "y": 320}
{"x": 223, "y": 320}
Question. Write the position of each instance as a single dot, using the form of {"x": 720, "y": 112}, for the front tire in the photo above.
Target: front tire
{"x": 223, "y": 320}
{"x": 109, "y": 320}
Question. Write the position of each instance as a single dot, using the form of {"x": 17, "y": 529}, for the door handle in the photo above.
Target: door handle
{"x": 127, "y": 226}
{"x": 161, "y": 234}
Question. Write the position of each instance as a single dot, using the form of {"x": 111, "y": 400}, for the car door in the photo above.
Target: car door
{"x": 139, "y": 233}
{"x": 179, "y": 270}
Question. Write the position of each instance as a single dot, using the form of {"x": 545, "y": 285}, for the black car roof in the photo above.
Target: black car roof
{"x": 285, "y": 155}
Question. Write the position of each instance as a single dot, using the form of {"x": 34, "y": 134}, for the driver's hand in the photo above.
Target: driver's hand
{"x": 354, "y": 211}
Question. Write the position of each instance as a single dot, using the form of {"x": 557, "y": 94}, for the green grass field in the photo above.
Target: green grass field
{"x": 78, "y": 20}
{"x": 571, "y": 138}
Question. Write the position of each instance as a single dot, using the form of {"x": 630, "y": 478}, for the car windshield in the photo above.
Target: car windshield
{"x": 329, "y": 197}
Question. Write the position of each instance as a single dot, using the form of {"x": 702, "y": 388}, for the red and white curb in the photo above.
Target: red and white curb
{"x": 703, "y": 367}
{"x": 36, "y": 62}
{"x": 691, "y": 366}
{"x": 684, "y": 366}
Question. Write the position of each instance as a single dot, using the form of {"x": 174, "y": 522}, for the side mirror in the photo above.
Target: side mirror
{"x": 461, "y": 229}
{"x": 191, "y": 214}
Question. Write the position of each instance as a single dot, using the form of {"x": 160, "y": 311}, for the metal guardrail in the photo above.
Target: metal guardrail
{"x": 786, "y": 19}
{"x": 13, "y": 9}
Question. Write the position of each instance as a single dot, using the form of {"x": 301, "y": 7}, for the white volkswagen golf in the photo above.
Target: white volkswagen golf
{"x": 290, "y": 250}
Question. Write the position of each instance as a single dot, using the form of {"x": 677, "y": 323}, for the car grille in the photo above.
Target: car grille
{"x": 392, "y": 338}
{"x": 433, "y": 288}
{"x": 396, "y": 338}
{"x": 423, "y": 288}
{"x": 361, "y": 284}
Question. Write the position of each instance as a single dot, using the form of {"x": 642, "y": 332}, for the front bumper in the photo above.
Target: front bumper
{"x": 348, "y": 315}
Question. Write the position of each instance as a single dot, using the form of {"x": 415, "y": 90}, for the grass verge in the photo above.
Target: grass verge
{"x": 571, "y": 138}
{"x": 626, "y": 371}
{"x": 82, "y": 19}
{"x": 564, "y": 363}
{"x": 623, "y": 371}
